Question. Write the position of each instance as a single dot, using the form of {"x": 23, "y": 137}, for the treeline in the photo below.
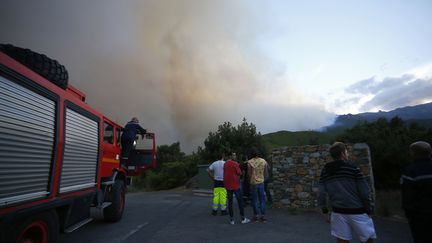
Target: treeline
{"x": 388, "y": 141}
{"x": 175, "y": 168}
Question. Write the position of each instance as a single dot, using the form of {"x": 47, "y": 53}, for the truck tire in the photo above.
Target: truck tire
{"x": 114, "y": 212}
{"x": 39, "y": 63}
{"x": 41, "y": 228}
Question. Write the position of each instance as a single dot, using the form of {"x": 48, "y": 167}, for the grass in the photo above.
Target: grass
{"x": 287, "y": 138}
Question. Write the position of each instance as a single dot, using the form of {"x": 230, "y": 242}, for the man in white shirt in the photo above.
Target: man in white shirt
{"x": 215, "y": 170}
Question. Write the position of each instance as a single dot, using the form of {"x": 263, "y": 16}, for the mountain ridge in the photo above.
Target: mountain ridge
{"x": 421, "y": 114}
{"x": 418, "y": 114}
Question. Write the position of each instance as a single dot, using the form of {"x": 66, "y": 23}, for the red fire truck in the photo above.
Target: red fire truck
{"x": 58, "y": 156}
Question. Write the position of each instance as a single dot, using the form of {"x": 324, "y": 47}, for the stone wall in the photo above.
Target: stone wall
{"x": 296, "y": 171}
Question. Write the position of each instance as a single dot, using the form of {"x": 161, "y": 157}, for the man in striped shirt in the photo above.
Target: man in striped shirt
{"x": 349, "y": 195}
{"x": 416, "y": 185}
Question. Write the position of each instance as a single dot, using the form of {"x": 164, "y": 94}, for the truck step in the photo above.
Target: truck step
{"x": 104, "y": 205}
{"x": 78, "y": 225}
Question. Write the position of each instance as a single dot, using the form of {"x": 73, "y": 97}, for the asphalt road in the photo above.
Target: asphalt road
{"x": 173, "y": 216}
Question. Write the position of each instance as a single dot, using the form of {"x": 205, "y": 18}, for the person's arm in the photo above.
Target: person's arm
{"x": 210, "y": 171}
{"x": 322, "y": 194}
{"x": 365, "y": 192}
{"x": 266, "y": 171}
{"x": 249, "y": 172}
{"x": 408, "y": 192}
{"x": 238, "y": 171}
{"x": 141, "y": 130}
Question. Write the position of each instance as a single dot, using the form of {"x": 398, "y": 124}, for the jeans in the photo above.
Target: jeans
{"x": 239, "y": 198}
{"x": 258, "y": 199}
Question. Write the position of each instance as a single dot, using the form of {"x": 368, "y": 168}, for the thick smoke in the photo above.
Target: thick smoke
{"x": 182, "y": 67}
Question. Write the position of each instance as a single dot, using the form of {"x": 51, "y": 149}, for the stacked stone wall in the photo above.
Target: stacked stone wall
{"x": 296, "y": 171}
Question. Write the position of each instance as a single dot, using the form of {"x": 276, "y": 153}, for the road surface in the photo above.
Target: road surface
{"x": 180, "y": 216}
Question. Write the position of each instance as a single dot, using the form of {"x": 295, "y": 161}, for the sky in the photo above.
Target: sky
{"x": 185, "y": 67}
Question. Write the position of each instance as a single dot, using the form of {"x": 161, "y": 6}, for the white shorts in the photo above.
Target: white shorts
{"x": 342, "y": 226}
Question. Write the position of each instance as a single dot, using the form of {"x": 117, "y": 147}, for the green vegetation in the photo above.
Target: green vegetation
{"x": 175, "y": 168}
{"x": 287, "y": 138}
{"x": 229, "y": 138}
{"x": 388, "y": 142}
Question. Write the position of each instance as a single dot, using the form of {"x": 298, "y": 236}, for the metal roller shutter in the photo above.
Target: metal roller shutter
{"x": 27, "y": 122}
{"x": 80, "y": 152}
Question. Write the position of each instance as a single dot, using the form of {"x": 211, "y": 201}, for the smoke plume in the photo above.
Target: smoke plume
{"x": 181, "y": 67}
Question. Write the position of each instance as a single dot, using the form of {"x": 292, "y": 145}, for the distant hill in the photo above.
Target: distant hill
{"x": 420, "y": 114}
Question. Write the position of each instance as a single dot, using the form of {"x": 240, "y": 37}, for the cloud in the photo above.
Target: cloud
{"x": 401, "y": 94}
{"x": 389, "y": 93}
{"x": 181, "y": 67}
{"x": 424, "y": 71}
{"x": 363, "y": 86}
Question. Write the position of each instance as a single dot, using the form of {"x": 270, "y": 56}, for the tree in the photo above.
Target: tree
{"x": 169, "y": 153}
{"x": 388, "y": 142}
{"x": 229, "y": 138}
{"x": 174, "y": 168}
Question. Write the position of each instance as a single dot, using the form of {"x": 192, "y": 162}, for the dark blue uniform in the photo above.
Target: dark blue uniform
{"x": 129, "y": 133}
{"x": 416, "y": 185}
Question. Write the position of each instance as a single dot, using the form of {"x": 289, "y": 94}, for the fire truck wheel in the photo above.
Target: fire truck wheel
{"x": 114, "y": 212}
{"x": 39, "y": 63}
{"x": 43, "y": 228}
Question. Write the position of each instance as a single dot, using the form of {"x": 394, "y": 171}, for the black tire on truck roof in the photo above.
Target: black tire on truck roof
{"x": 39, "y": 63}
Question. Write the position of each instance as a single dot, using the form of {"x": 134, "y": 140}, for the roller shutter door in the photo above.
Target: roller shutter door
{"x": 80, "y": 152}
{"x": 27, "y": 121}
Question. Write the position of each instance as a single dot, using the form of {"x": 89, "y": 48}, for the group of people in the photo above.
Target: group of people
{"x": 226, "y": 179}
{"x": 342, "y": 186}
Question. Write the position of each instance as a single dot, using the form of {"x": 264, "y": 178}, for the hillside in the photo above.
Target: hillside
{"x": 287, "y": 138}
{"x": 419, "y": 114}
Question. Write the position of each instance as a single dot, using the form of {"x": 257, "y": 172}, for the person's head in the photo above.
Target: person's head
{"x": 338, "y": 151}
{"x": 420, "y": 150}
{"x": 233, "y": 155}
{"x": 134, "y": 120}
{"x": 254, "y": 152}
{"x": 221, "y": 155}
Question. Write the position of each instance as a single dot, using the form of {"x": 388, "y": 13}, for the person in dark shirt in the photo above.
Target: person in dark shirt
{"x": 349, "y": 195}
{"x": 244, "y": 183}
{"x": 416, "y": 186}
{"x": 128, "y": 137}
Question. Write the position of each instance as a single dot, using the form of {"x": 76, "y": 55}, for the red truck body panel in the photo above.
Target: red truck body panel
{"x": 107, "y": 159}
